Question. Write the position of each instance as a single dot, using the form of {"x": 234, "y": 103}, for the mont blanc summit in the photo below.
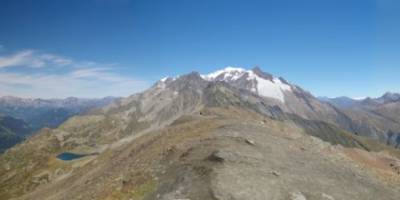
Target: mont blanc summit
{"x": 254, "y": 80}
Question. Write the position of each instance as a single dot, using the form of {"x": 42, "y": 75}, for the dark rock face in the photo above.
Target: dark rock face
{"x": 259, "y": 72}
{"x": 393, "y": 139}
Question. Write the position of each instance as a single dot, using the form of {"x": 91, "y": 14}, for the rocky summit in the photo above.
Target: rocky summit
{"x": 234, "y": 134}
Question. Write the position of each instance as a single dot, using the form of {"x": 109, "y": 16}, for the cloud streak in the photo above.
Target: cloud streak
{"x": 30, "y": 58}
{"x": 77, "y": 78}
{"x": 61, "y": 86}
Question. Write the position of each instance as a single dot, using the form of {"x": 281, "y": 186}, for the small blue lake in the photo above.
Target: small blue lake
{"x": 70, "y": 156}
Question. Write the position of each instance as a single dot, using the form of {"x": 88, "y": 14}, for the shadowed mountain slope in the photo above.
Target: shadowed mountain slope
{"x": 11, "y": 131}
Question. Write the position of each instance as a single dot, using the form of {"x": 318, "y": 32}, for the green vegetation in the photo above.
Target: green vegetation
{"x": 140, "y": 192}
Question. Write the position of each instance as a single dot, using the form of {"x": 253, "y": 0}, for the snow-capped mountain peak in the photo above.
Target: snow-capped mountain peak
{"x": 254, "y": 80}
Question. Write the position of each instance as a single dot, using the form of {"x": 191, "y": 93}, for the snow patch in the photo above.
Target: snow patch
{"x": 230, "y": 73}
{"x": 273, "y": 89}
{"x": 358, "y": 98}
{"x": 267, "y": 88}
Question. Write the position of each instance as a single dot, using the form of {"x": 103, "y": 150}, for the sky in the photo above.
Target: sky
{"x": 96, "y": 48}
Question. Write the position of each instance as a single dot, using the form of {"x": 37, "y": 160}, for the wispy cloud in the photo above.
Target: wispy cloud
{"x": 17, "y": 59}
{"x": 31, "y": 58}
{"x": 61, "y": 86}
{"x": 77, "y": 78}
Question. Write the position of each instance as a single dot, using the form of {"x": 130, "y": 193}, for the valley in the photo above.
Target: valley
{"x": 21, "y": 118}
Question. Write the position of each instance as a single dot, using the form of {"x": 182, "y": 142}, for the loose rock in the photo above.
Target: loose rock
{"x": 327, "y": 197}
{"x": 297, "y": 196}
{"x": 250, "y": 142}
{"x": 275, "y": 173}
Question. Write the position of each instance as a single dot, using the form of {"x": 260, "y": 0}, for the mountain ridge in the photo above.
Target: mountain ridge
{"x": 205, "y": 139}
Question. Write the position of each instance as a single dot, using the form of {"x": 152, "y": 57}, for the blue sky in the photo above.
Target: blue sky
{"x": 94, "y": 48}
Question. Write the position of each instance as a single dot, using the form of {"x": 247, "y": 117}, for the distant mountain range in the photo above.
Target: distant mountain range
{"x": 22, "y": 117}
{"x": 231, "y": 134}
{"x": 378, "y": 118}
{"x": 340, "y": 102}
{"x": 347, "y": 102}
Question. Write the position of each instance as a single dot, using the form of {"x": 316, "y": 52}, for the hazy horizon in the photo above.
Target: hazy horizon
{"x": 145, "y": 88}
